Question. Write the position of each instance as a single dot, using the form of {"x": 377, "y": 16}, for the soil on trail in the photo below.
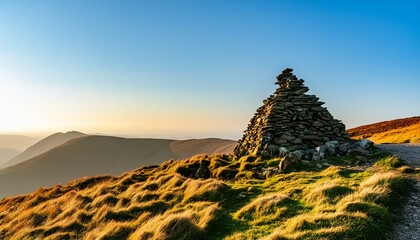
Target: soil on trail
{"x": 407, "y": 226}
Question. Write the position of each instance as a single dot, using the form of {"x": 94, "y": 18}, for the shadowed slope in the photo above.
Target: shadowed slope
{"x": 95, "y": 155}
{"x": 188, "y": 148}
{"x": 17, "y": 142}
{"x": 7, "y": 153}
{"x": 406, "y": 130}
{"x": 42, "y": 146}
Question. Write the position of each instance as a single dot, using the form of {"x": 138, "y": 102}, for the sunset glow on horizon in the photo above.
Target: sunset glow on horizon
{"x": 195, "y": 69}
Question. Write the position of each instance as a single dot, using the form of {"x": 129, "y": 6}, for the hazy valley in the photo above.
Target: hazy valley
{"x": 295, "y": 174}
{"x": 63, "y": 157}
{"x": 13, "y": 145}
{"x": 209, "y": 120}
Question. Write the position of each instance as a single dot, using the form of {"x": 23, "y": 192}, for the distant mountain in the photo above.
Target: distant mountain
{"x": 405, "y": 130}
{"x": 42, "y": 146}
{"x": 188, "y": 148}
{"x": 7, "y": 153}
{"x": 96, "y": 155}
{"x": 17, "y": 142}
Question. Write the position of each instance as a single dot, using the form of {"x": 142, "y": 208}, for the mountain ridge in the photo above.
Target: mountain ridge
{"x": 8, "y": 153}
{"x": 402, "y": 130}
{"x": 96, "y": 155}
{"x": 42, "y": 146}
{"x": 18, "y": 142}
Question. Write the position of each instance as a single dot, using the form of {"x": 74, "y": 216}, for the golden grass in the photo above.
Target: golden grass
{"x": 327, "y": 192}
{"x": 159, "y": 203}
{"x": 201, "y": 190}
{"x": 353, "y": 212}
{"x": 112, "y": 208}
{"x": 408, "y": 133}
{"x": 185, "y": 224}
{"x": 262, "y": 206}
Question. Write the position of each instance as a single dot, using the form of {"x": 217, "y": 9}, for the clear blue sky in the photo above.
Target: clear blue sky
{"x": 186, "y": 69}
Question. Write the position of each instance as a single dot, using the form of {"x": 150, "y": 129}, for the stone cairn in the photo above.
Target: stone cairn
{"x": 291, "y": 121}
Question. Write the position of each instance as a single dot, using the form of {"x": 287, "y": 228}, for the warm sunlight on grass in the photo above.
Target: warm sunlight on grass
{"x": 167, "y": 202}
{"x": 409, "y": 134}
{"x": 395, "y": 131}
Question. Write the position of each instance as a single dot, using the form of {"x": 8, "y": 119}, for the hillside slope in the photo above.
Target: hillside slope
{"x": 231, "y": 201}
{"x": 406, "y": 130}
{"x": 7, "y": 153}
{"x": 95, "y": 155}
{"x": 17, "y": 142}
{"x": 42, "y": 146}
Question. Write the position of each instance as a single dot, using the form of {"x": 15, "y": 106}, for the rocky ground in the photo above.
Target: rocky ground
{"x": 408, "y": 226}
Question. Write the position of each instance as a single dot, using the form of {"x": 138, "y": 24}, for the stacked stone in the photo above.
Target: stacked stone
{"x": 290, "y": 120}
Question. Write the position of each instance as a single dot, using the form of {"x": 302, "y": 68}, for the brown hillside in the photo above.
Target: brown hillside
{"x": 405, "y": 130}
{"x": 7, "y": 153}
{"x": 97, "y": 155}
{"x": 230, "y": 202}
{"x": 42, "y": 146}
{"x": 17, "y": 142}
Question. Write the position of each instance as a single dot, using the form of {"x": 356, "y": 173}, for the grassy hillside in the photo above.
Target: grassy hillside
{"x": 237, "y": 202}
{"x": 96, "y": 155}
{"x": 42, "y": 146}
{"x": 406, "y": 130}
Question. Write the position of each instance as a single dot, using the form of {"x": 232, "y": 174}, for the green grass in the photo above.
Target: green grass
{"x": 344, "y": 201}
{"x": 388, "y": 163}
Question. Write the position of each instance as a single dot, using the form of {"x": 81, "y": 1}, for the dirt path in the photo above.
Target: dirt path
{"x": 409, "y": 152}
{"x": 408, "y": 225}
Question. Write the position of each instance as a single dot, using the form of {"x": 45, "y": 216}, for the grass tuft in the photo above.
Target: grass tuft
{"x": 236, "y": 203}
{"x": 327, "y": 193}
{"x": 177, "y": 227}
{"x": 262, "y": 206}
{"x": 389, "y": 162}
